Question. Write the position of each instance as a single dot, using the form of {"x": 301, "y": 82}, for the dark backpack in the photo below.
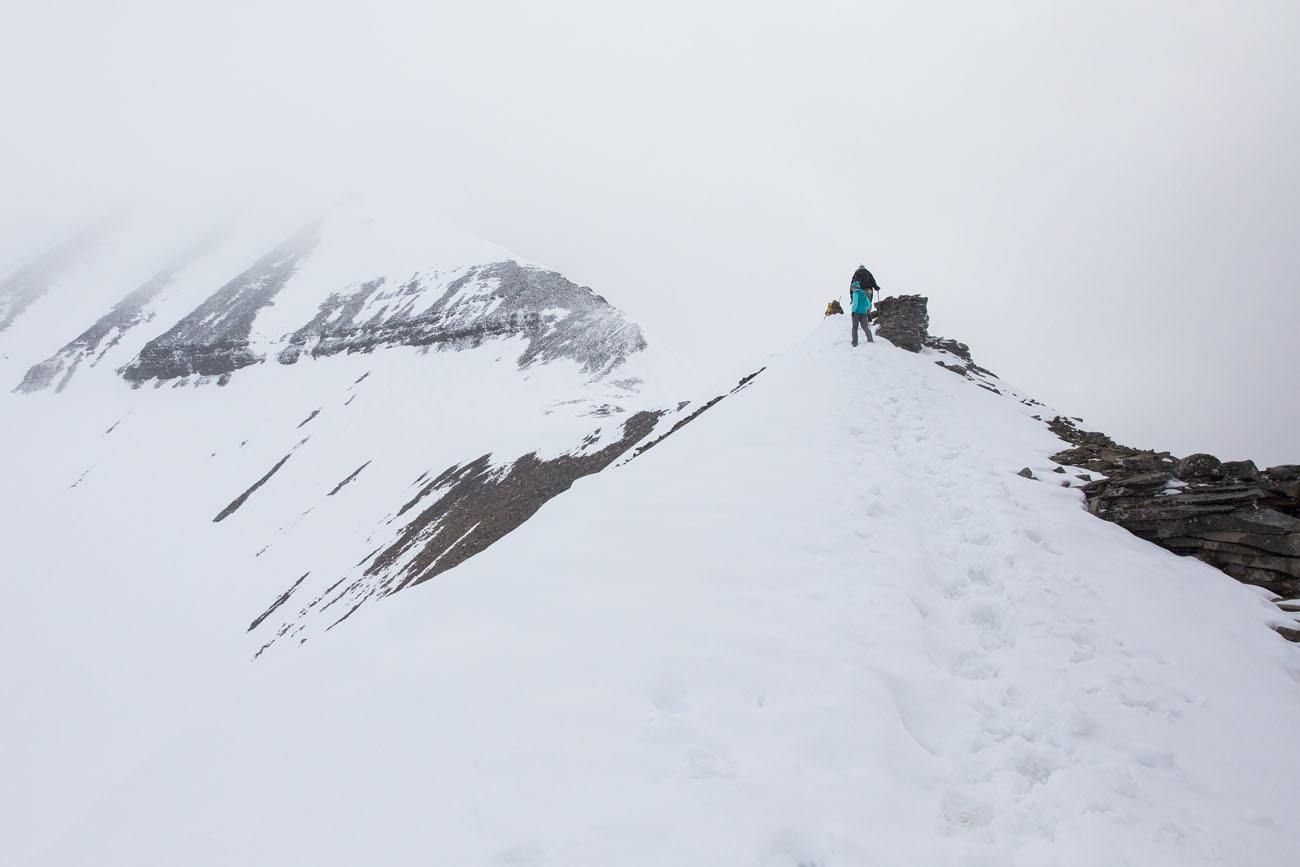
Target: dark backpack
{"x": 864, "y": 278}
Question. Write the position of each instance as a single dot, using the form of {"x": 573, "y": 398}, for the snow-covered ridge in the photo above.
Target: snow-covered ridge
{"x": 213, "y": 340}
{"x": 823, "y": 608}
{"x": 464, "y": 307}
{"x": 347, "y": 282}
{"x": 96, "y": 341}
{"x": 822, "y": 605}
{"x": 446, "y": 519}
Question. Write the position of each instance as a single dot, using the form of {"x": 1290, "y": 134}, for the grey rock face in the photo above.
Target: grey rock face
{"x": 1229, "y": 515}
{"x": 1200, "y": 466}
{"x": 90, "y": 346}
{"x": 904, "y": 321}
{"x": 558, "y": 318}
{"x": 213, "y": 339}
{"x": 966, "y": 367}
{"x": 956, "y": 347}
{"x": 457, "y": 514}
{"x": 1240, "y": 470}
{"x": 468, "y": 507}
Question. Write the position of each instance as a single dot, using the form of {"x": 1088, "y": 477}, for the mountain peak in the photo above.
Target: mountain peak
{"x": 355, "y": 280}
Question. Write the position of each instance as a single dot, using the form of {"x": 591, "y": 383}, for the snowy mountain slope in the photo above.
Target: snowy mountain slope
{"x": 143, "y": 275}
{"x": 357, "y": 278}
{"x": 469, "y": 305}
{"x": 149, "y": 528}
{"x": 474, "y": 293}
{"x": 213, "y": 339}
{"x": 823, "y": 623}
{"x": 28, "y": 283}
{"x": 96, "y": 341}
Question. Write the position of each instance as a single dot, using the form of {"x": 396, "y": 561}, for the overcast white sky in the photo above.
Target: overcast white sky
{"x": 1100, "y": 198}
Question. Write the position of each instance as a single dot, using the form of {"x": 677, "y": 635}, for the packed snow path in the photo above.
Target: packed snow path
{"x": 824, "y": 624}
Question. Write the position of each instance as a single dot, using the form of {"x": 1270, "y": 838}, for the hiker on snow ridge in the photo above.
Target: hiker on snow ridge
{"x": 861, "y": 288}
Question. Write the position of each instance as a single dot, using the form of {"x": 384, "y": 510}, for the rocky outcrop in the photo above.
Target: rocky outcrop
{"x": 1232, "y": 515}
{"x": 488, "y": 502}
{"x": 91, "y": 345}
{"x": 456, "y": 309}
{"x": 456, "y": 514}
{"x": 961, "y": 363}
{"x": 903, "y": 320}
{"x": 558, "y": 318}
{"x": 212, "y": 340}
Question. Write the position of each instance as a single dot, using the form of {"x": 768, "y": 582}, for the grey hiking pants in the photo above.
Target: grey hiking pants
{"x": 866, "y": 326}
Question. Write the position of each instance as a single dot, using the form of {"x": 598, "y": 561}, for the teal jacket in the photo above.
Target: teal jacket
{"x": 861, "y": 303}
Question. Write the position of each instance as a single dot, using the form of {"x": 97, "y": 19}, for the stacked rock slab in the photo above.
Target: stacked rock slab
{"x": 1232, "y": 515}
{"x": 903, "y": 320}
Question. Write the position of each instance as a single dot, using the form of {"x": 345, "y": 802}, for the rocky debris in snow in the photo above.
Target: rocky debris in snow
{"x": 242, "y": 498}
{"x": 558, "y": 318}
{"x": 705, "y": 407}
{"x": 1026, "y": 473}
{"x": 1229, "y": 514}
{"x": 490, "y": 503}
{"x": 465, "y": 509}
{"x": 945, "y": 344}
{"x": 1291, "y": 628}
{"x": 213, "y": 339}
{"x": 967, "y": 366}
{"x": 903, "y": 320}
{"x": 280, "y": 600}
{"x": 341, "y": 485}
